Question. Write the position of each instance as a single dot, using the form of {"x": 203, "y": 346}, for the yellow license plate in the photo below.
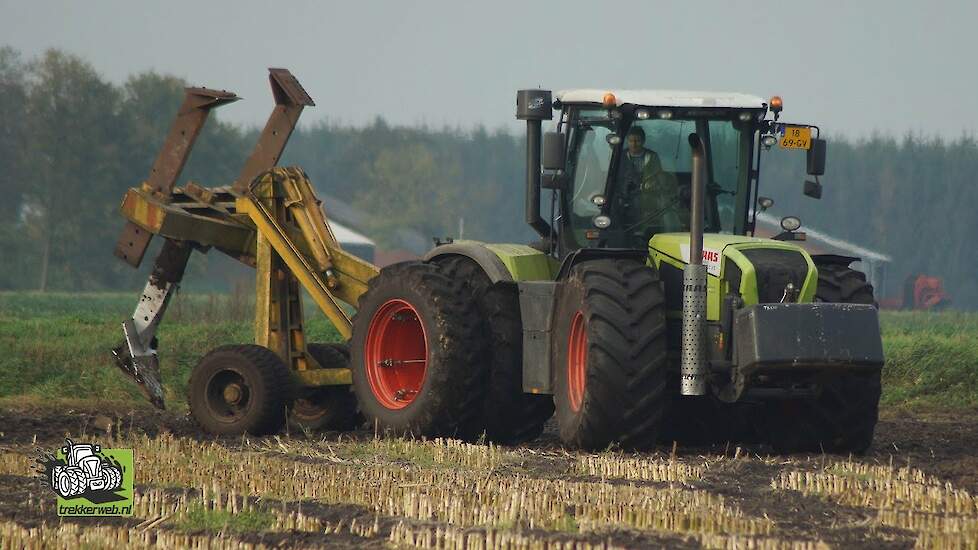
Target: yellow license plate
{"x": 797, "y": 137}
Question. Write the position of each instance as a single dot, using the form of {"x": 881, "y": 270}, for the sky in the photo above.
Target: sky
{"x": 855, "y": 68}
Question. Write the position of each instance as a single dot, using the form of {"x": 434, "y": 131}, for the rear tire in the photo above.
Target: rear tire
{"x": 610, "y": 355}
{"x": 842, "y": 418}
{"x": 511, "y": 416}
{"x": 419, "y": 355}
{"x": 331, "y": 408}
{"x": 240, "y": 388}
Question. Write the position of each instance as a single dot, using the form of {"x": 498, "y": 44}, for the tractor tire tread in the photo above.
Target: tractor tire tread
{"x": 510, "y": 415}
{"x": 457, "y": 371}
{"x": 626, "y": 378}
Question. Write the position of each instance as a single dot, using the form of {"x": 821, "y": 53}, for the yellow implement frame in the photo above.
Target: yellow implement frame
{"x": 270, "y": 219}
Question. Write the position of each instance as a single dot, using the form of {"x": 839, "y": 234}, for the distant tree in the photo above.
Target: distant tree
{"x": 73, "y": 156}
{"x": 408, "y": 186}
{"x": 13, "y": 121}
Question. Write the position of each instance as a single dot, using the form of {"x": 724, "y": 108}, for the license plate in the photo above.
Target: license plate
{"x": 797, "y": 137}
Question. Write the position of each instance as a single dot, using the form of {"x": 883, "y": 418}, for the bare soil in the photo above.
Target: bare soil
{"x": 940, "y": 444}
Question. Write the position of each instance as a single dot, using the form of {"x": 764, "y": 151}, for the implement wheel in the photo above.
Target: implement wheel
{"x": 419, "y": 355}
{"x": 610, "y": 355}
{"x": 511, "y": 416}
{"x": 327, "y": 407}
{"x": 240, "y": 388}
{"x": 842, "y": 417}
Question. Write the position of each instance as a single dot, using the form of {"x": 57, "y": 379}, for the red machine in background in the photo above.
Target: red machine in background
{"x": 920, "y": 292}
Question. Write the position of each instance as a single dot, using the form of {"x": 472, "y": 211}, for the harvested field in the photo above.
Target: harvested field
{"x": 916, "y": 488}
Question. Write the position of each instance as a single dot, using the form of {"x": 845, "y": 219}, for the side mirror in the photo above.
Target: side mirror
{"x": 553, "y": 151}
{"x": 816, "y": 157}
{"x": 813, "y": 189}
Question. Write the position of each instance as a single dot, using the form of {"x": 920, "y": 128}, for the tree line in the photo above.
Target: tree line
{"x": 71, "y": 142}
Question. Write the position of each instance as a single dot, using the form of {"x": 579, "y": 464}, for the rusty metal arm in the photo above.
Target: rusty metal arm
{"x": 197, "y": 104}
{"x": 290, "y": 99}
{"x": 269, "y": 218}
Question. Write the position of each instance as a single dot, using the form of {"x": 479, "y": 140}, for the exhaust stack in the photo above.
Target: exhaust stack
{"x": 534, "y": 106}
{"x": 694, "y": 368}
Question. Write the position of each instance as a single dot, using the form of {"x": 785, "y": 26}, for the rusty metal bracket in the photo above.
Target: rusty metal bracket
{"x": 290, "y": 99}
{"x": 197, "y": 104}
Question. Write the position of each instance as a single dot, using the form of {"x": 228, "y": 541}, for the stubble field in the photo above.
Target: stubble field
{"x": 916, "y": 487}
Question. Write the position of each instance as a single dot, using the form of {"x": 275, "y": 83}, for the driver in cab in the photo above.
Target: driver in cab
{"x": 652, "y": 192}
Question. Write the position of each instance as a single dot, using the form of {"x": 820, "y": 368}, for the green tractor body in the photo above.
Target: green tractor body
{"x": 647, "y": 319}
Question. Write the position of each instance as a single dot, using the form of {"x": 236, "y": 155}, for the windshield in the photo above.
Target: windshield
{"x": 650, "y": 189}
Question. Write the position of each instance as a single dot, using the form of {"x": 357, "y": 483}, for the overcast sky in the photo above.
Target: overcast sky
{"x": 853, "y": 67}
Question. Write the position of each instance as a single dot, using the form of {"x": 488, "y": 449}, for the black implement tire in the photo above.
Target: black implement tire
{"x": 511, "y": 416}
{"x": 327, "y": 407}
{"x": 609, "y": 353}
{"x": 257, "y": 405}
{"x": 843, "y": 416}
{"x": 838, "y": 283}
{"x": 418, "y": 354}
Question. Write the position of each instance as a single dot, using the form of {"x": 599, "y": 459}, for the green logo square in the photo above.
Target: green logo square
{"x": 92, "y": 481}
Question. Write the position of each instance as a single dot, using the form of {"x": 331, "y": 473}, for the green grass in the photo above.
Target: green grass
{"x": 931, "y": 359}
{"x": 198, "y": 518}
{"x": 58, "y": 346}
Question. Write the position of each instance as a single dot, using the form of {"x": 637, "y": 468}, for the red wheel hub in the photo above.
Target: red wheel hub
{"x": 577, "y": 361}
{"x": 396, "y": 354}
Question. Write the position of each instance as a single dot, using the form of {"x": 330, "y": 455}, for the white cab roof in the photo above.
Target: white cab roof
{"x": 665, "y": 98}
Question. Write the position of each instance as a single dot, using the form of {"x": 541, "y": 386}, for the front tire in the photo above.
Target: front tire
{"x": 418, "y": 354}
{"x": 842, "y": 417}
{"x": 610, "y": 355}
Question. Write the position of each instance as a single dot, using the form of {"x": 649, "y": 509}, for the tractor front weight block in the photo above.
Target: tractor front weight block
{"x": 786, "y": 338}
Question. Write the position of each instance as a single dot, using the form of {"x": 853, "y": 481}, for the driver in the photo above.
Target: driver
{"x": 654, "y": 191}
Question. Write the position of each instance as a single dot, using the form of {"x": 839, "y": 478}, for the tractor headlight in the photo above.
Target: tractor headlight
{"x": 599, "y": 200}
{"x": 613, "y": 139}
{"x": 642, "y": 114}
{"x": 790, "y": 223}
{"x": 601, "y": 222}
{"x": 769, "y": 140}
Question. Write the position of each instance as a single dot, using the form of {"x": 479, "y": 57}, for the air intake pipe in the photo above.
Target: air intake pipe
{"x": 534, "y": 106}
{"x": 694, "y": 367}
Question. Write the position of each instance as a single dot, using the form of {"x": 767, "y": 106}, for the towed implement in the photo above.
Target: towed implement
{"x": 646, "y": 311}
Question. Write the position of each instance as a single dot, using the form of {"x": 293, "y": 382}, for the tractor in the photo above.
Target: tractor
{"x": 646, "y": 311}
{"x": 84, "y": 471}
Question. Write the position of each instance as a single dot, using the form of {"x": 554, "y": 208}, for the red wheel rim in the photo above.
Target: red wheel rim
{"x": 576, "y": 361}
{"x": 396, "y": 354}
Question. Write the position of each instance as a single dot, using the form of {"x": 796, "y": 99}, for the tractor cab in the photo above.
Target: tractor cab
{"x": 624, "y": 164}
